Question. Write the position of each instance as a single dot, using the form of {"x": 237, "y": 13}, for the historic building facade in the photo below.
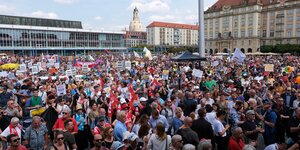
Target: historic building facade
{"x": 136, "y": 34}
{"x": 173, "y": 34}
{"x": 248, "y": 24}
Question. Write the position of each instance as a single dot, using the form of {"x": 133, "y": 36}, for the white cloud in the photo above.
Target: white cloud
{"x": 156, "y": 6}
{"x": 164, "y": 17}
{"x": 98, "y": 18}
{"x": 64, "y": 1}
{"x": 41, "y": 14}
{"x": 5, "y": 9}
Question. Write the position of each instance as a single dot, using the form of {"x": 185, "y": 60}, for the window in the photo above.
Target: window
{"x": 250, "y": 32}
{"x": 298, "y": 33}
{"x": 235, "y": 34}
{"x": 242, "y": 33}
{"x": 264, "y": 33}
{"x": 290, "y": 12}
{"x": 250, "y": 19}
{"x": 272, "y": 14}
{"x": 242, "y": 42}
{"x": 289, "y": 34}
{"x": 272, "y": 33}
{"x": 290, "y": 18}
{"x": 249, "y": 42}
{"x": 289, "y": 26}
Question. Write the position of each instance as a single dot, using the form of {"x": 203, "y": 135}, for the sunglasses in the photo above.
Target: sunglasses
{"x": 16, "y": 140}
{"x": 60, "y": 138}
{"x": 65, "y": 113}
{"x": 99, "y": 140}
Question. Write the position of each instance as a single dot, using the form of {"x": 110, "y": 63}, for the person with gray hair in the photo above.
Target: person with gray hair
{"x": 250, "y": 127}
{"x": 177, "y": 142}
{"x": 13, "y": 128}
{"x": 120, "y": 127}
{"x": 39, "y": 138}
{"x": 189, "y": 147}
{"x": 205, "y": 145}
{"x": 249, "y": 147}
{"x": 236, "y": 140}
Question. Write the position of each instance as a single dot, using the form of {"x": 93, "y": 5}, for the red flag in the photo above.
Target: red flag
{"x": 101, "y": 84}
{"x": 133, "y": 97}
{"x": 112, "y": 103}
{"x": 155, "y": 82}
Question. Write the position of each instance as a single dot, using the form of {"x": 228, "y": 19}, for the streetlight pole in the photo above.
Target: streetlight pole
{"x": 201, "y": 42}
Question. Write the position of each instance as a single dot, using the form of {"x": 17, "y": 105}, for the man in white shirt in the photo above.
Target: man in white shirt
{"x": 13, "y": 128}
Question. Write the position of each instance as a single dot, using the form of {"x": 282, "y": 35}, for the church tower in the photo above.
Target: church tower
{"x": 135, "y": 24}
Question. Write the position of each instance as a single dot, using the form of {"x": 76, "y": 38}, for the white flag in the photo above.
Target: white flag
{"x": 147, "y": 53}
{"x": 238, "y": 56}
{"x": 136, "y": 55}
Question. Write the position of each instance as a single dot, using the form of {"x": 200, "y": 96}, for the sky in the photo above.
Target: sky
{"x": 106, "y": 15}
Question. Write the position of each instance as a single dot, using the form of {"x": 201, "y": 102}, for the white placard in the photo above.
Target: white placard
{"x": 23, "y": 68}
{"x": 197, "y": 73}
{"x": 34, "y": 70}
{"x": 56, "y": 65}
{"x": 30, "y": 65}
{"x": 215, "y": 63}
{"x": 51, "y": 61}
{"x": 69, "y": 73}
{"x": 128, "y": 65}
{"x": 69, "y": 65}
{"x": 73, "y": 72}
{"x": 61, "y": 90}
{"x": 120, "y": 64}
{"x": 3, "y": 74}
{"x": 11, "y": 76}
{"x": 85, "y": 68}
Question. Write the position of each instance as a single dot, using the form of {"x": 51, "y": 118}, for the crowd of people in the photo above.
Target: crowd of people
{"x": 152, "y": 104}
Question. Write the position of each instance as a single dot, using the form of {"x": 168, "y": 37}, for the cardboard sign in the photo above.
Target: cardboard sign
{"x": 128, "y": 65}
{"x": 34, "y": 70}
{"x": 74, "y": 72}
{"x": 197, "y": 73}
{"x": 23, "y": 68}
{"x": 269, "y": 68}
{"x": 165, "y": 75}
{"x": 61, "y": 90}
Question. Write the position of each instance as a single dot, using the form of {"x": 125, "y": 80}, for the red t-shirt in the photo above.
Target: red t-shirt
{"x": 235, "y": 144}
{"x": 20, "y": 147}
{"x": 59, "y": 124}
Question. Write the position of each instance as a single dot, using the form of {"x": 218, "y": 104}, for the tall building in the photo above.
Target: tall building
{"x": 136, "y": 34}
{"x": 33, "y": 36}
{"x": 173, "y": 34}
{"x": 248, "y": 24}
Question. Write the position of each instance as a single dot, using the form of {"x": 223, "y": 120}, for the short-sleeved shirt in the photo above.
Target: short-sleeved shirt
{"x": 218, "y": 127}
{"x": 59, "y": 124}
{"x": 37, "y": 140}
{"x": 69, "y": 139}
{"x": 250, "y": 126}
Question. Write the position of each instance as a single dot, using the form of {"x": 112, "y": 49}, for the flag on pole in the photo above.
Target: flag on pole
{"x": 113, "y": 103}
{"x": 136, "y": 55}
{"x": 238, "y": 56}
{"x": 147, "y": 53}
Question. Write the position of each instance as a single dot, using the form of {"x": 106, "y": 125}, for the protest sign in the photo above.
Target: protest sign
{"x": 56, "y": 65}
{"x": 269, "y": 68}
{"x": 165, "y": 75}
{"x": 34, "y": 70}
{"x": 61, "y": 90}
{"x": 23, "y": 68}
{"x": 74, "y": 72}
{"x": 11, "y": 76}
{"x": 69, "y": 73}
{"x": 238, "y": 56}
{"x": 197, "y": 73}
{"x": 85, "y": 68}
{"x": 215, "y": 63}
{"x": 128, "y": 65}
{"x": 3, "y": 74}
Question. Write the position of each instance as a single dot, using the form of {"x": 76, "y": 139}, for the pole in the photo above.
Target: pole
{"x": 201, "y": 42}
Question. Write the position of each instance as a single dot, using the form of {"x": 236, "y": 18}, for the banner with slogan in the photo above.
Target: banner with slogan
{"x": 61, "y": 90}
{"x": 197, "y": 73}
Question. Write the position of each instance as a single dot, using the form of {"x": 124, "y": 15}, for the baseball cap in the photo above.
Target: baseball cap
{"x": 143, "y": 99}
{"x": 116, "y": 145}
{"x": 132, "y": 137}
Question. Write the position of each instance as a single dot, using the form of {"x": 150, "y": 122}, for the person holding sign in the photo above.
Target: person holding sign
{"x": 34, "y": 103}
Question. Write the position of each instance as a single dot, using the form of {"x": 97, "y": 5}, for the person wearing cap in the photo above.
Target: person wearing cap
{"x": 101, "y": 125}
{"x": 269, "y": 120}
{"x": 250, "y": 127}
{"x": 81, "y": 120}
{"x": 116, "y": 145}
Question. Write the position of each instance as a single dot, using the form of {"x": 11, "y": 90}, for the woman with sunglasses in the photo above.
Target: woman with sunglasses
{"x": 59, "y": 142}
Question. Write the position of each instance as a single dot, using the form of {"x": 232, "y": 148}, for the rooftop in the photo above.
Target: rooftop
{"x": 173, "y": 25}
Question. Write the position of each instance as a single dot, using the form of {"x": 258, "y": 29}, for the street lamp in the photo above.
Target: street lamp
{"x": 201, "y": 42}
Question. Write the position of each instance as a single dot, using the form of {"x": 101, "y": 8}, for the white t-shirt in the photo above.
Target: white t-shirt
{"x": 218, "y": 127}
{"x": 211, "y": 117}
{"x": 272, "y": 147}
{"x": 6, "y": 132}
